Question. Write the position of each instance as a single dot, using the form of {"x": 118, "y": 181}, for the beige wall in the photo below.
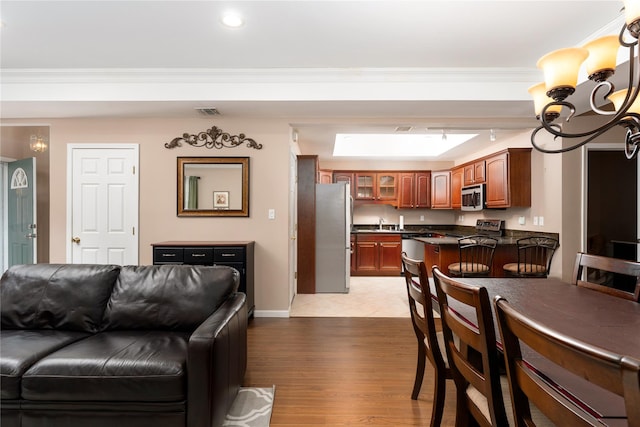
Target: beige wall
{"x": 269, "y": 171}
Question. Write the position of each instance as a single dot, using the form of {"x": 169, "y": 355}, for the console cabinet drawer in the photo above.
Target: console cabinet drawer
{"x": 202, "y": 256}
{"x": 168, "y": 255}
{"x": 222, "y": 255}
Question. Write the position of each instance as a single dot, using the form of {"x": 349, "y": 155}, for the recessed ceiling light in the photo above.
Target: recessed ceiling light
{"x": 232, "y": 19}
{"x": 396, "y": 145}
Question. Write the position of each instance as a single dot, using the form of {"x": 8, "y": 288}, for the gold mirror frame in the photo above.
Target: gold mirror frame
{"x": 220, "y": 191}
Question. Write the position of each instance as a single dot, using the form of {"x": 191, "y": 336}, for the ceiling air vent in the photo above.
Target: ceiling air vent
{"x": 208, "y": 111}
{"x": 403, "y": 128}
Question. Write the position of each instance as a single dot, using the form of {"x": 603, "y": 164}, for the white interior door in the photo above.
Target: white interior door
{"x": 20, "y": 188}
{"x": 103, "y": 210}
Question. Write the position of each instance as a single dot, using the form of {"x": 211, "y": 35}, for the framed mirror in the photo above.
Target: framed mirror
{"x": 213, "y": 186}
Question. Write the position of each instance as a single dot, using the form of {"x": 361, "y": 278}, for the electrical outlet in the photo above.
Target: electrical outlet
{"x": 272, "y": 214}
{"x": 535, "y": 220}
{"x": 461, "y": 218}
{"x": 421, "y": 217}
{"x": 521, "y": 220}
{"x": 541, "y": 221}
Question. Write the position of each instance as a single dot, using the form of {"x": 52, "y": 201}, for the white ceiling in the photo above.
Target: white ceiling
{"x": 324, "y": 66}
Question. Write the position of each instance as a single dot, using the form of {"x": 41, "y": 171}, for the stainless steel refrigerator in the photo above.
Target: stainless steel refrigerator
{"x": 333, "y": 237}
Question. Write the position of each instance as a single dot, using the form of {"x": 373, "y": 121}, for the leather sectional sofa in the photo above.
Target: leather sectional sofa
{"x": 132, "y": 346}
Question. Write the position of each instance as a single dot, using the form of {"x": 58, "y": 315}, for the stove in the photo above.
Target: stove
{"x": 490, "y": 227}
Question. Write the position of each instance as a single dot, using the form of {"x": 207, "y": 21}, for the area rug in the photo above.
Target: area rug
{"x": 252, "y": 407}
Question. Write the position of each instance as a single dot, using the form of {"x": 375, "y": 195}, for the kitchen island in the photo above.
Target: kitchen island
{"x": 442, "y": 251}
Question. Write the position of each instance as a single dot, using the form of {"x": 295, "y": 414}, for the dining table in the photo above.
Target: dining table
{"x": 590, "y": 316}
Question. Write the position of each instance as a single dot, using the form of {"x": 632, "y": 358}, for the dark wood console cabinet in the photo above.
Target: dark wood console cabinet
{"x": 238, "y": 255}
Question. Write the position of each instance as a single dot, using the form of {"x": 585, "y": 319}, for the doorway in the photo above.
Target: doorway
{"x": 612, "y": 206}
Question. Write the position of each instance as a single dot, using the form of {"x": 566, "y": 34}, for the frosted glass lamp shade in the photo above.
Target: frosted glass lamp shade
{"x": 540, "y": 99}
{"x": 603, "y": 53}
{"x": 618, "y": 98}
{"x": 561, "y": 70}
{"x": 631, "y": 11}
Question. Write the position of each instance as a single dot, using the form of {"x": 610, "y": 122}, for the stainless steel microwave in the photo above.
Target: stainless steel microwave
{"x": 473, "y": 197}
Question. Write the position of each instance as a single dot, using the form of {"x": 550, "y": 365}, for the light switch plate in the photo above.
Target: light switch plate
{"x": 535, "y": 220}
{"x": 272, "y": 214}
{"x": 521, "y": 220}
{"x": 541, "y": 221}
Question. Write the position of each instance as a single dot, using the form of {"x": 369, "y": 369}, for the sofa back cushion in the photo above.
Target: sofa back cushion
{"x": 172, "y": 297}
{"x": 56, "y": 296}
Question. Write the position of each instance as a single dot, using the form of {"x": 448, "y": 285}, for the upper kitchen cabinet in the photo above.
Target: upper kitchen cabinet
{"x": 415, "y": 190}
{"x": 343, "y": 176}
{"x": 376, "y": 186}
{"x": 474, "y": 173}
{"x": 457, "y": 176}
{"x": 441, "y": 189}
{"x": 325, "y": 176}
{"x": 508, "y": 178}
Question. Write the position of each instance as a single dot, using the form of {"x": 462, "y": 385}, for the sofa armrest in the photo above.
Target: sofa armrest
{"x": 216, "y": 363}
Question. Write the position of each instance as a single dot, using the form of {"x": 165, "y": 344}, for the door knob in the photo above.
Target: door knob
{"x": 76, "y": 240}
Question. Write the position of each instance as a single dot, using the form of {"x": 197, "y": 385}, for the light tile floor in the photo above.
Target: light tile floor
{"x": 367, "y": 297}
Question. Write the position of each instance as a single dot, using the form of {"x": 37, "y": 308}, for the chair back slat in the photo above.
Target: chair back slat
{"x": 608, "y": 370}
{"x": 618, "y": 269}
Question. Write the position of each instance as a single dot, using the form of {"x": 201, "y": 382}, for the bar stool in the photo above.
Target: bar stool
{"x": 475, "y": 256}
{"x": 534, "y": 257}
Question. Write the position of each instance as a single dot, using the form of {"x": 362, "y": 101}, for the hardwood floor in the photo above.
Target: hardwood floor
{"x": 341, "y": 372}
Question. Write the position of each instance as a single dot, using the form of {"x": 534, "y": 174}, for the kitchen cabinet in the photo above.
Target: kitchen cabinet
{"x": 415, "y": 190}
{"x": 376, "y": 186}
{"x": 441, "y": 189}
{"x": 238, "y": 255}
{"x": 343, "y": 176}
{"x": 378, "y": 254}
{"x": 508, "y": 178}
{"x": 474, "y": 173}
{"x": 325, "y": 176}
{"x": 457, "y": 175}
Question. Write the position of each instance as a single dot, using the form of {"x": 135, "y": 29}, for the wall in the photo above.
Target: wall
{"x": 269, "y": 182}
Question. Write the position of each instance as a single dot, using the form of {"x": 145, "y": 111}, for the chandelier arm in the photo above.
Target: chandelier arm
{"x": 564, "y": 149}
{"x": 592, "y": 99}
{"x": 558, "y": 133}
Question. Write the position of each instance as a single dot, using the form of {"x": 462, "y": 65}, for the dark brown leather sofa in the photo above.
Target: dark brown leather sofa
{"x": 132, "y": 346}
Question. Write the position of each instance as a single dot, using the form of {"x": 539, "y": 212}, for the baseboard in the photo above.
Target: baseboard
{"x": 271, "y": 313}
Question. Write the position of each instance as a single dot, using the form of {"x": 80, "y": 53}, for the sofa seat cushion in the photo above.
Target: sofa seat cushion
{"x": 19, "y": 350}
{"x": 126, "y": 366}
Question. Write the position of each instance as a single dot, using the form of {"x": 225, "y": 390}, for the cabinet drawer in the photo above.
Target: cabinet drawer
{"x": 168, "y": 255}
{"x": 198, "y": 255}
{"x": 231, "y": 254}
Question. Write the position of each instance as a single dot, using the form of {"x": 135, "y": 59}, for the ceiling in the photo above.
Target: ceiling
{"x": 325, "y": 66}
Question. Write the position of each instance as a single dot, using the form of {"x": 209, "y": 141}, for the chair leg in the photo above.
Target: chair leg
{"x": 438, "y": 398}
{"x": 417, "y": 385}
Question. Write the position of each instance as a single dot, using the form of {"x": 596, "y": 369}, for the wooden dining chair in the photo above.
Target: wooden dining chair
{"x": 535, "y": 254}
{"x": 430, "y": 342}
{"x": 616, "y": 373}
{"x": 474, "y": 361}
{"x": 628, "y": 271}
{"x": 475, "y": 256}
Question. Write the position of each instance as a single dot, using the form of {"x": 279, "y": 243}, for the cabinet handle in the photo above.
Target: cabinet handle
{"x": 228, "y": 255}
{"x": 198, "y": 255}
{"x": 168, "y": 255}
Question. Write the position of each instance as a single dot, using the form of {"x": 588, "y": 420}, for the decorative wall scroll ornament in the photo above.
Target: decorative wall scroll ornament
{"x": 213, "y": 138}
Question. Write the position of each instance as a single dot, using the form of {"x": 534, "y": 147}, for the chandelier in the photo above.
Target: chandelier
{"x": 561, "y": 68}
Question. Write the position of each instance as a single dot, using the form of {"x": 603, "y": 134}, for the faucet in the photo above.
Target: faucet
{"x": 380, "y": 222}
